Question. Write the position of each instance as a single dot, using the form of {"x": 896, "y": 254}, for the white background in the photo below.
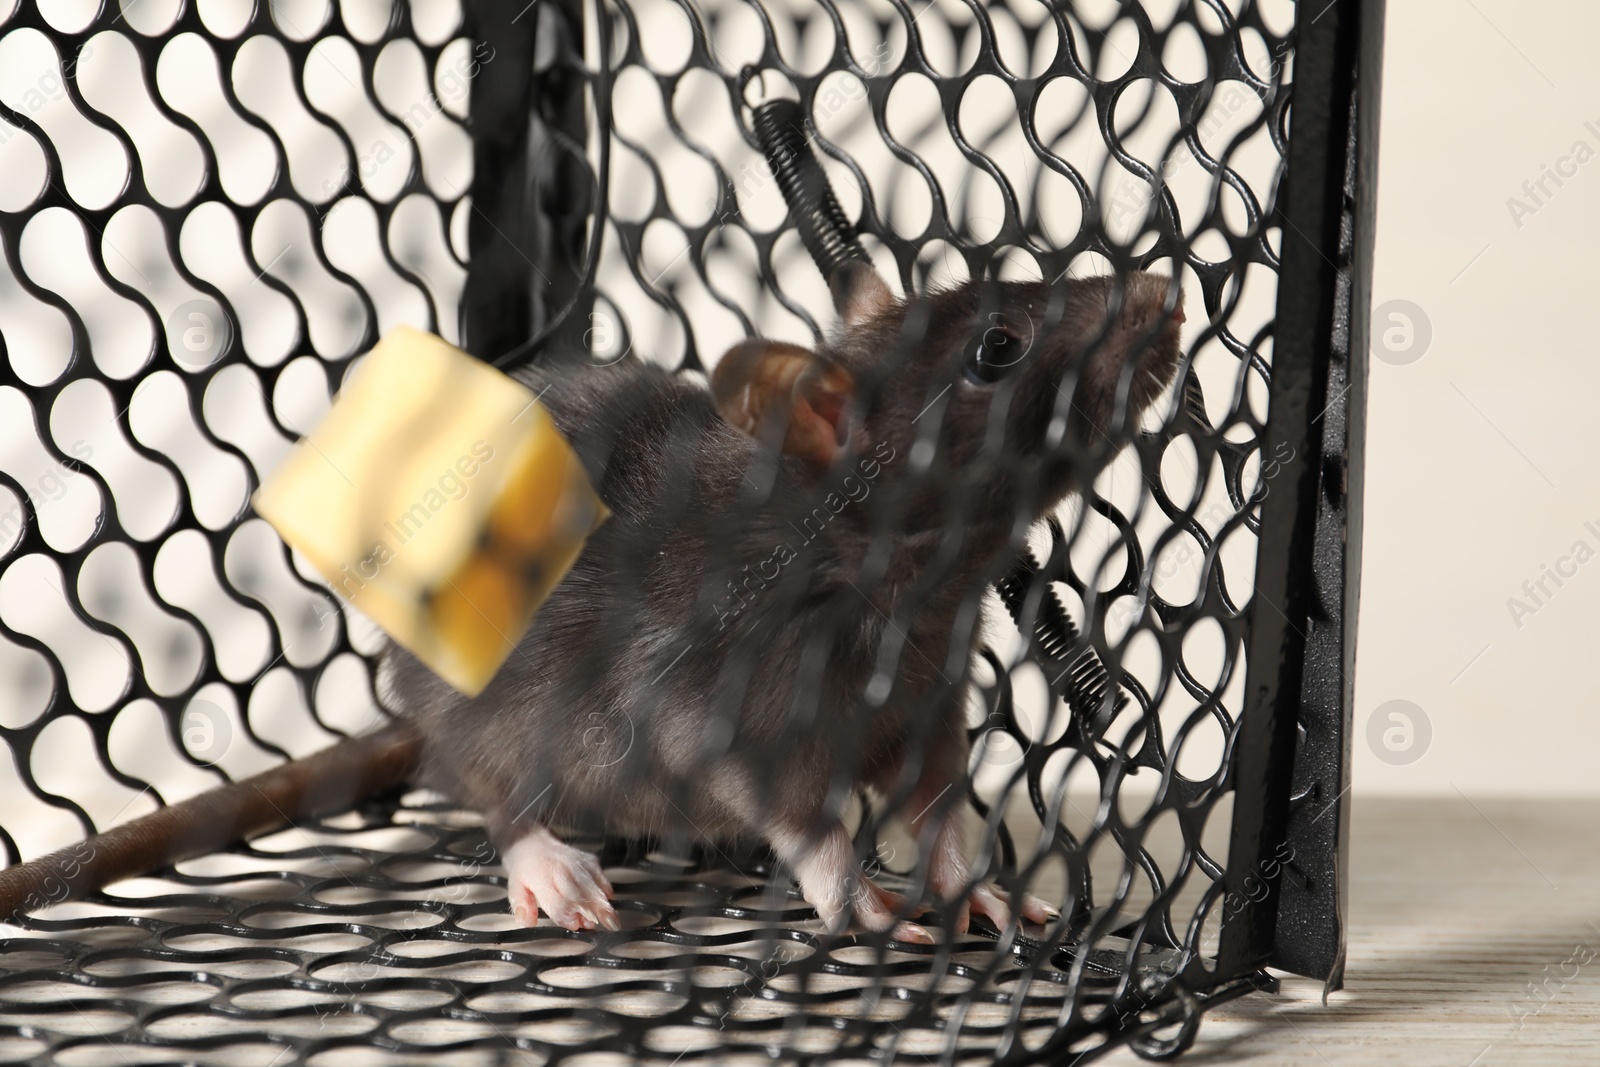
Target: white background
{"x": 1480, "y": 457}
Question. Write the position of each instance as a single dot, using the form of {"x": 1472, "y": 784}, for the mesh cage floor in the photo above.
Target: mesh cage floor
{"x": 382, "y": 937}
{"x": 209, "y": 211}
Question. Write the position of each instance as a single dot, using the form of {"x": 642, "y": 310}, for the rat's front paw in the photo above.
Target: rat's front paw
{"x": 834, "y": 883}
{"x": 544, "y": 872}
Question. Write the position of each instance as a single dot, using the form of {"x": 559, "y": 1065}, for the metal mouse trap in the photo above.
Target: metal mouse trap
{"x": 210, "y": 211}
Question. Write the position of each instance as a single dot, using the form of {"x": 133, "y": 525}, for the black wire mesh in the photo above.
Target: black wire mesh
{"x": 208, "y": 211}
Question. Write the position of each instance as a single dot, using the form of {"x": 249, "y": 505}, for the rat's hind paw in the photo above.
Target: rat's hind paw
{"x": 544, "y": 872}
{"x": 988, "y": 900}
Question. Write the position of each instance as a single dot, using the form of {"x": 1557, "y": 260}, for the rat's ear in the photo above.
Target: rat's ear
{"x": 859, "y": 292}
{"x": 771, "y": 388}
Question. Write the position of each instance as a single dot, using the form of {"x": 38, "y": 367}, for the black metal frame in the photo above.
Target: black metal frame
{"x": 530, "y": 275}
{"x": 528, "y": 233}
{"x": 1294, "y": 745}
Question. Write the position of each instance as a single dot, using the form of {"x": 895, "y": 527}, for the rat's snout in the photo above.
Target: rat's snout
{"x": 1145, "y": 307}
{"x": 1146, "y": 325}
{"x": 1143, "y": 298}
{"x": 1145, "y": 333}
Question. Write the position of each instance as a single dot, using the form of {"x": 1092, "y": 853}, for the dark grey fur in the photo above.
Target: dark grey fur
{"x": 642, "y": 703}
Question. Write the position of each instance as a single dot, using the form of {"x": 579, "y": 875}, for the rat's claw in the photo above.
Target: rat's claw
{"x": 602, "y": 916}
{"x": 986, "y": 900}
{"x": 523, "y": 905}
{"x": 911, "y": 932}
{"x": 1035, "y": 910}
{"x": 544, "y": 872}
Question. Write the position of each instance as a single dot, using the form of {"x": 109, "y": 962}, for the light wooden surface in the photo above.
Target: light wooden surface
{"x": 1464, "y": 916}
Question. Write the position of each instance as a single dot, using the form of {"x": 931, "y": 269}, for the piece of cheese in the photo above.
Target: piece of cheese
{"x": 439, "y": 498}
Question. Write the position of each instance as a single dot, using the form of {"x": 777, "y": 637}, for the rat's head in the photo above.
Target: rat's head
{"x": 982, "y": 384}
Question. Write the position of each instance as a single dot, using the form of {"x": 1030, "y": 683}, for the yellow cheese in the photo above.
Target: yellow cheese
{"x": 439, "y": 498}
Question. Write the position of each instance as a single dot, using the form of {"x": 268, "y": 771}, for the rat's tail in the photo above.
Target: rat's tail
{"x": 322, "y": 783}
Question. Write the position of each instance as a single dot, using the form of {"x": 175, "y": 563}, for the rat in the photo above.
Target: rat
{"x": 782, "y": 610}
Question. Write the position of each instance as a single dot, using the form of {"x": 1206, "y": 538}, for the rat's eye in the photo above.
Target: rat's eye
{"x": 991, "y": 355}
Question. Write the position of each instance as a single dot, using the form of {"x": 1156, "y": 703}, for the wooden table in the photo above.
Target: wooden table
{"x": 1474, "y": 942}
